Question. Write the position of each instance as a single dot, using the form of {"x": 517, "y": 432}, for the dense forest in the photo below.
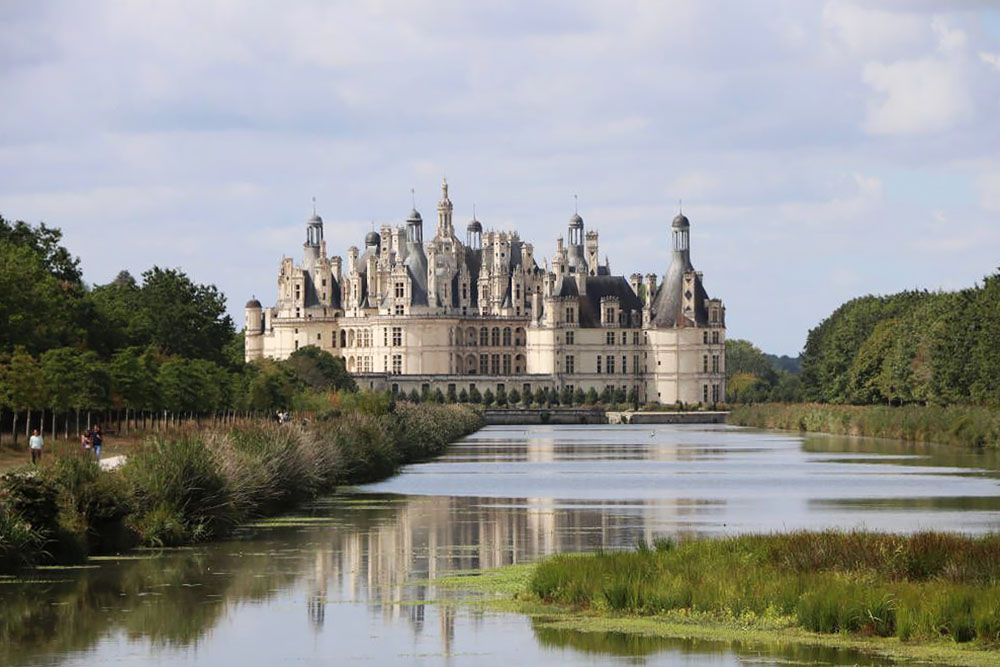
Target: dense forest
{"x": 915, "y": 347}
{"x": 158, "y": 347}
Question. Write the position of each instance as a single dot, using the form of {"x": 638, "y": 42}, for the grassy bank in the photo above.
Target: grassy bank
{"x": 190, "y": 487}
{"x": 929, "y": 596}
{"x": 967, "y": 426}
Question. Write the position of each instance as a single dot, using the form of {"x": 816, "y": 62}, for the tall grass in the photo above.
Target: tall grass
{"x": 968, "y": 426}
{"x": 928, "y": 585}
{"x": 198, "y": 485}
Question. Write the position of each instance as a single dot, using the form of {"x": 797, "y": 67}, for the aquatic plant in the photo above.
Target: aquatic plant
{"x": 967, "y": 426}
{"x": 927, "y": 585}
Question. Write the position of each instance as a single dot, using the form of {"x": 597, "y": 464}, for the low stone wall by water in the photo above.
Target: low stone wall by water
{"x": 629, "y": 417}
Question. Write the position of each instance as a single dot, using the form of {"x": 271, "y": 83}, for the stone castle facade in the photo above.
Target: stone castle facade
{"x": 455, "y": 313}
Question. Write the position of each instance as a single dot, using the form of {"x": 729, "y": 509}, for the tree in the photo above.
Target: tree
{"x": 25, "y": 385}
{"x": 501, "y": 397}
{"x": 452, "y": 398}
{"x": 592, "y": 396}
{"x": 607, "y": 396}
{"x": 620, "y": 395}
{"x": 579, "y": 397}
{"x": 463, "y": 396}
{"x": 514, "y": 397}
{"x": 474, "y": 395}
{"x": 527, "y": 397}
{"x": 437, "y": 396}
{"x": 488, "y": 397}
{"x": 269, "y": 386}
{"x": 45, "y": 242}
{"x": 64, "y": 374}
{"x": 320, "y": 370}
{"x": 567, "y": 395}
{"x": 38, "y": 311}
{"x": 633, "y": 396}
{"x": 133, "y": 379}
{"x": 181, "y": 317}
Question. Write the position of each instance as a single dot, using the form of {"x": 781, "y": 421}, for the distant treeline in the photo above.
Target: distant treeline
{"x": 135, "y": 351}
{"x": 915, "y": 347}
{"x": 911, "y": 347}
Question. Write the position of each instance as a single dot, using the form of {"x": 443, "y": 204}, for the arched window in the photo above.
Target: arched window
{"x": 470, "y": 364}
{"x": 519, "y": 365}
{"x": 343, "y": 338}
{"x": 495, "y": 338}
{"x": 470, "y": 337}
{"x": 506, "y": 336}
{"x": 350, "y": 339}
{"x": 350, "y": 364}
{"x": 519, "y": 336}
{"x": 484, "y": 337}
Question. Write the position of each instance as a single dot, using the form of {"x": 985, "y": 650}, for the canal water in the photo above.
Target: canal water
{"x": 349, "y": 579}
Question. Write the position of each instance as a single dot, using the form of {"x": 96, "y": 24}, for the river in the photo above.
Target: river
{"x": 349, "y": 579}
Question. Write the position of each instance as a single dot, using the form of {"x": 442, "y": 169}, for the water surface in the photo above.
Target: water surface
{"x": 353, "y": 584}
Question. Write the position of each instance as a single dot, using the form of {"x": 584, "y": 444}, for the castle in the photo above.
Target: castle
{"x": 453, "y": 314}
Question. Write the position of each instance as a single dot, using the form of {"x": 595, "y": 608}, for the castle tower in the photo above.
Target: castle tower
{"x": 314, "y": 240}
{"x": 254, "y": 329}
{"x": 474, "y": 234}
{"x": 445, "y": 229}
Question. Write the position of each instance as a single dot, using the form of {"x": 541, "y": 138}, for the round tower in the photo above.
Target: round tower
{"x": 254, "y": 330}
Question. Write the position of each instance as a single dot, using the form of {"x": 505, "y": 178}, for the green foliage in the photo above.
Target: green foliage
{"x": 488, "y": 397}
{"x": 911, "y": 347}
{"x": 474, "y": 395}
{"x": 527, "y": 397}
{"x": 592, "y": 397}
{"x": 463, "y": 396}
{"x": 755, "y": 377}
{"x": 514, "y": 397}
{"x": 919, "y": 586}
{"x": 318, "y": 369}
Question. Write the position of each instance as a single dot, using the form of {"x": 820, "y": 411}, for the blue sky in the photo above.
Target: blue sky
{"x": 823, "y": 150}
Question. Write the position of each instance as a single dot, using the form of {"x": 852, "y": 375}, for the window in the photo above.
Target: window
{"x": 569, "y": 315}
{"x": 715, "y": 336}
{"x": 715, "y": 393}
{"x": 484, "y": 337}
{"x": 296, "y": 345}
{"x": 465, "y": 291}
{"x": 399, "y": 309}
{"x": 506, "y": 336}
{"x": 495, "y": 364}
{"x": 319, "y": 336}
{"x": 570, "y": 364}
{"x": 609, "y": 338}
{"x": 570, "y": 337}
{"x": 506, "y": 364}
{"x": 400, "y": 290}
{"x": 635, "y": 363}
{"x": 715, "y": 363}
{"x": 598, "y": 363}
{"x": 624, "y": 364}
{"x": 624, "y": 338}
{"x": 609, "y": 315}
{"x": 484, "y": 364}
{"x": 495, "y": 337}
{"x": 635, "y": 337}
{"x": 704, "y": 337}
{"x": 343, "y": 338}
{"x": 397, "y": 336}
{"x": 611, "y": 364}
{"x": 704, "y": 394}
{"x": 704, "y": 364}
{"x": 385, "y": 336}
{"x": 333, "y": 338}
{"x": 397, "y": 364}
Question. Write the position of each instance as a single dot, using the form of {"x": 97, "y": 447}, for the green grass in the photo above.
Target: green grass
{"x": 967, "y": 426}
{"x": 928, "y": 586}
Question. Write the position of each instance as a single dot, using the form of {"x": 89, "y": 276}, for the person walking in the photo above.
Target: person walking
{"x": 35, "y": 445}
{"x": 96, "y": 441}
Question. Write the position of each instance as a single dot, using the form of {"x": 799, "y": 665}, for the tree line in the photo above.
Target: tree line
{"x": 138, "y": 352}
{"x": 911, "y": 348}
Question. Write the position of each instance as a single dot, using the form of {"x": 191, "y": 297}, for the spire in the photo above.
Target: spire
{"x": 314, "y": 206}
{"x": 576, "y": 205}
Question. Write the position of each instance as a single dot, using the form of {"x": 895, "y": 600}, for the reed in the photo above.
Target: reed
{"x": 923, "y": 586}
{"x": 195, "y": 485}
{"x": 963, "y": 425}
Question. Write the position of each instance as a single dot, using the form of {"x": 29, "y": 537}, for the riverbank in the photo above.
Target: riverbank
{"x": 929, "y": 597}
{"x": 192, "y": 487}
{"x": 966, "y": 426}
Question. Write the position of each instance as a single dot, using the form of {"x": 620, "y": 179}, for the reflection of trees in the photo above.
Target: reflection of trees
{"x": 383, "y": 550}
{"x": 170, "y": 600}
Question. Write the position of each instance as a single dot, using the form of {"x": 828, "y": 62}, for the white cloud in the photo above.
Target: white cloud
{"x": 991, "y": 59}
{"x": 916, "y": 96}
{"x": 868, "y": 32}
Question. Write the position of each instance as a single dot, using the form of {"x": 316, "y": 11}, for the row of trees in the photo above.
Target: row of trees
{"x": 911, "y": 347}
{"x": 162, "y": 344}
{"x": 544, "y": 397}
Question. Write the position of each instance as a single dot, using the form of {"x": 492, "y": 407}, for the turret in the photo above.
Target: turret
{"x": 253, "y": 347}
{"x": 445, "y": 229}
{"x": 314, "y": 240}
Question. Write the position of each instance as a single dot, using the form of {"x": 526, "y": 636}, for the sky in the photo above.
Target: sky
{"x": 822, "y": 150}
